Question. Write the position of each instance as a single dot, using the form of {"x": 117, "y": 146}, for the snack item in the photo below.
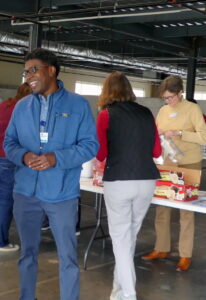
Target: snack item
{"x": 192, "y": 192}
{"x": 98, "y": 171}
{"x": 171, "y": 194}
{"x": 174, "y": 177}
{"x": 169, "y": 190}
{"x": 172, "y": 186}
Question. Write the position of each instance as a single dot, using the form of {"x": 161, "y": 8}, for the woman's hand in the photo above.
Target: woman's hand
{"x": 170, "y": 133}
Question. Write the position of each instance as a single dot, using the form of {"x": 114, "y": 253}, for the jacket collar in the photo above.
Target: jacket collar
{"x": 57, "y": 94}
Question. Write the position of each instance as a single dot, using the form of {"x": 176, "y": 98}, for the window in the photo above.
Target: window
{"x": 86, "y": 88}
{"x": 139, "y": 92}
{"x": 198, "y": 95}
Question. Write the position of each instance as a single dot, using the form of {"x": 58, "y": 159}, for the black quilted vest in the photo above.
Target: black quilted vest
{"x": 131, "y": 136}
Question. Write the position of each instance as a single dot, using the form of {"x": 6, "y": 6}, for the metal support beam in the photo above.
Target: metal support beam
{"x": 191, "y": 72}
{"x": 35, "y": 34}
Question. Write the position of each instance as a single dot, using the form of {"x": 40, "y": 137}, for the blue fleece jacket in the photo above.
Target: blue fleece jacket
{"x": 71, "y": 137}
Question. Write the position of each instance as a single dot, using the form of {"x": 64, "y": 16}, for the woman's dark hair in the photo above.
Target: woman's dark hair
{"x": 45, "y": 56}
{"x": 116, "y": 88}
{"x": 173, "y": 84}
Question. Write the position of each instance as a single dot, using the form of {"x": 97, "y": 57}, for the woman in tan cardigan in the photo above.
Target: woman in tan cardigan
{"x": 183, "y": 122}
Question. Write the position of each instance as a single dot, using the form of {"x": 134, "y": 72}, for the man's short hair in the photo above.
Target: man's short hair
{"x": 45, "y": 56}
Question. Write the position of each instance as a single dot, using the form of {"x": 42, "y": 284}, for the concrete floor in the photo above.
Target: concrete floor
{"x": 156, "y": 280}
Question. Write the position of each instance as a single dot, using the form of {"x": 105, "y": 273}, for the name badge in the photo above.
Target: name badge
{"x": 173, "y": 115}
{"x": 44, "y": 137}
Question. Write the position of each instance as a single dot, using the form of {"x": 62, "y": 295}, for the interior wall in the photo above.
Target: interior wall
{"x": 70, "y": 76}
{"x": 93, "y": 104}
{"x": 202, "y": 105}
{"x": 10, "y": 75}
{"x": 11, "y": 78}
{"x": 6, "y": 93}
{"x": 153, "y": 104}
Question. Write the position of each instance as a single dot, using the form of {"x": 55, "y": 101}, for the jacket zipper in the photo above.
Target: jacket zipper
{"x": 46, "y": 129}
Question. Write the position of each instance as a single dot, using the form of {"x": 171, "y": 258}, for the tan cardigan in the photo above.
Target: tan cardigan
{"x": 185, "y": 116}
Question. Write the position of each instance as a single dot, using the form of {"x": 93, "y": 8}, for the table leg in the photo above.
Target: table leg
{"x": 99, "y": 201}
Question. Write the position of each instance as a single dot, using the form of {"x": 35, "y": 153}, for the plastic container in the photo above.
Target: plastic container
{"x": 87, "y": 168}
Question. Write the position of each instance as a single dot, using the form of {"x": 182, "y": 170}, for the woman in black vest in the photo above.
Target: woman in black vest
{"x": 128, "y": 140}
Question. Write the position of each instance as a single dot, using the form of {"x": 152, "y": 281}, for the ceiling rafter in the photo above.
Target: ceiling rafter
{"x": 121, "y": 32}
{"x": 99, "y": 9}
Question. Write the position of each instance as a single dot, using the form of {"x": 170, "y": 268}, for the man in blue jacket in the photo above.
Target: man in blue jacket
{"x": 51, "y": 133}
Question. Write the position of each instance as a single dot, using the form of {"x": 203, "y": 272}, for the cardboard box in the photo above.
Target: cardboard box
{"x": 178, "y": 184}
{"x": 191, "y": 176}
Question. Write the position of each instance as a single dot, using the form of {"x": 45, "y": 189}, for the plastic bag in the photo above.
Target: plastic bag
{"x": 171, "y": 150}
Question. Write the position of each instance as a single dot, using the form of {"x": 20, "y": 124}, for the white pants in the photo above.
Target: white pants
{"x": 127, "y": 203}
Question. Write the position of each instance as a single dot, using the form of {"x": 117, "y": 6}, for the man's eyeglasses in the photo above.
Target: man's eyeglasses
{"x": 169, "y": 98}
{"x": 33, "y": 70}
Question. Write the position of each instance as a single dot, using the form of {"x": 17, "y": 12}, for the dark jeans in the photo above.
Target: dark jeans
{"x": 46, "y": 220}
{"x": 29, "y": 213}
{"x": 6, "y": 199}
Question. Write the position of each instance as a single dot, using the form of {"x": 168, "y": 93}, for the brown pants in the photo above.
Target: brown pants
{"x": 162, "y": 227}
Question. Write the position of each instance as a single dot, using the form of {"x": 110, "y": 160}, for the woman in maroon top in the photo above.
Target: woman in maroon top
{"x": 128, "y": 140}
{"x": 7, "y": 171}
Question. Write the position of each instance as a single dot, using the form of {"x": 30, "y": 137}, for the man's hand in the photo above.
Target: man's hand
{"x": 28, "y": 158}
{"x": 40, "y": 162}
